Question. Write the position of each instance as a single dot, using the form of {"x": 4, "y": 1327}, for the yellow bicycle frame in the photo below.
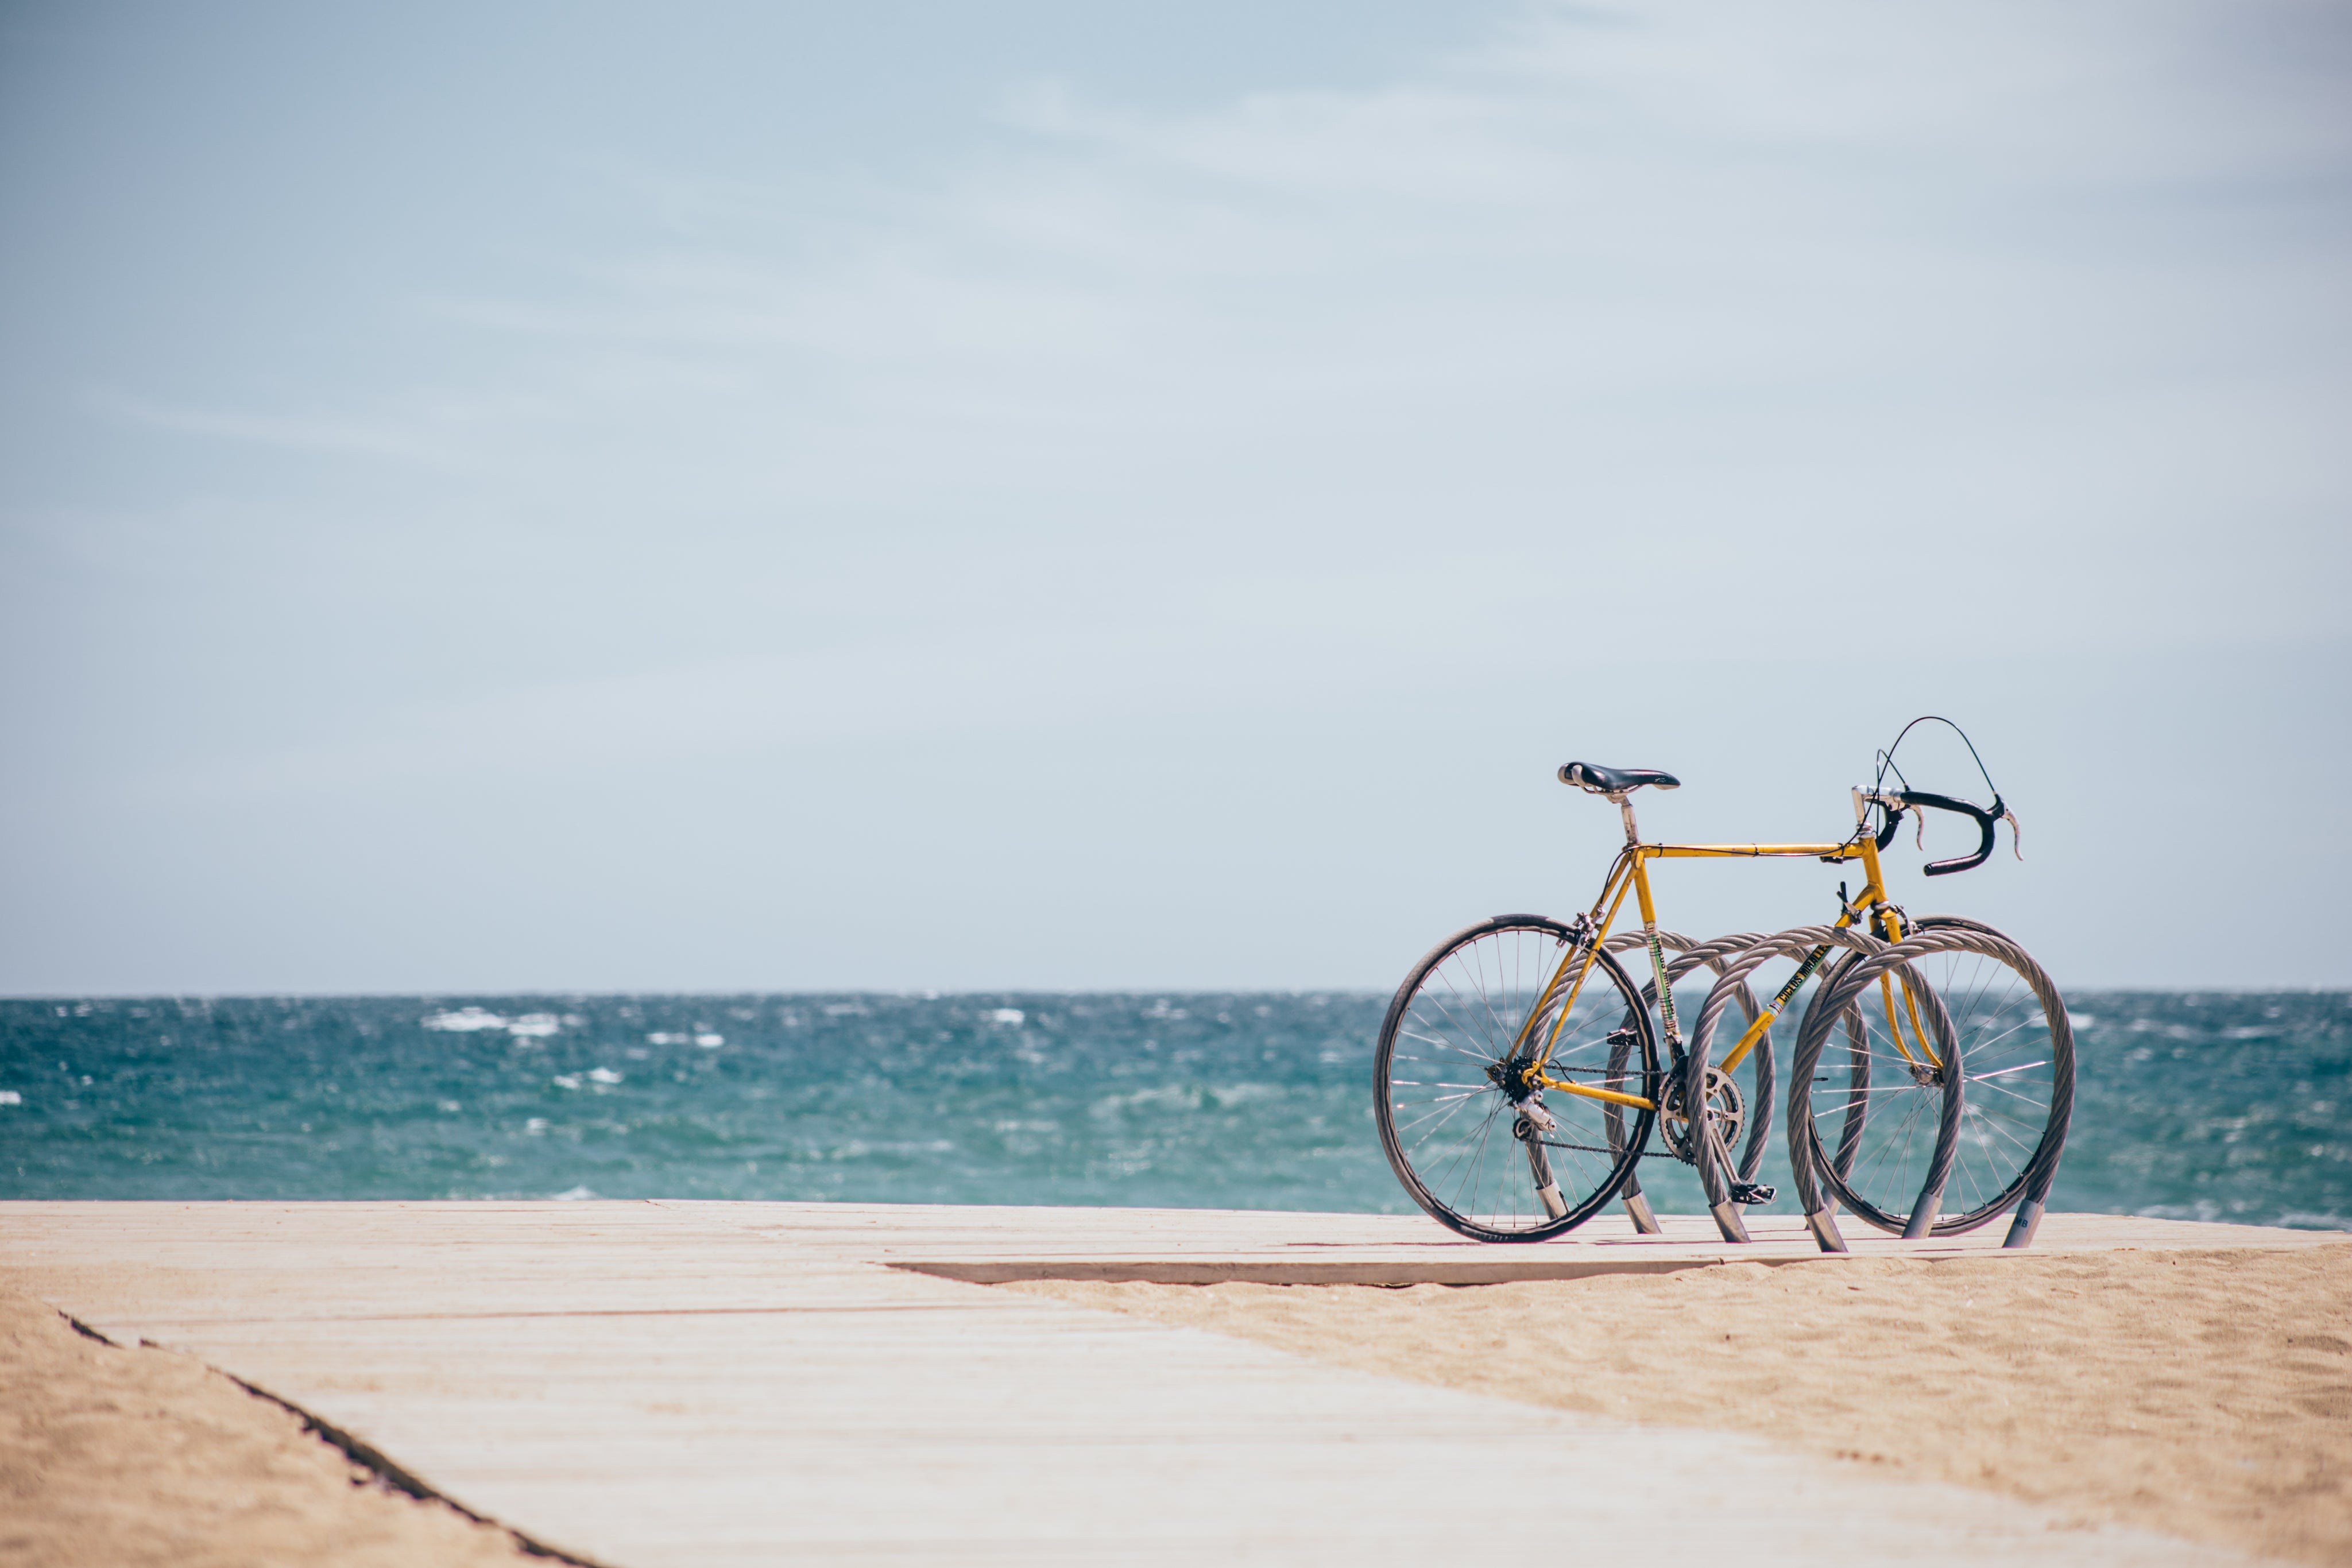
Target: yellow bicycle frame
{"x": 1630, "y": 872}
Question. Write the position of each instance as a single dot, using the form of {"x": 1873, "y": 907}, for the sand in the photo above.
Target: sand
{"x": 116, "y": 1458}
{"x": 2204, "y": 1394}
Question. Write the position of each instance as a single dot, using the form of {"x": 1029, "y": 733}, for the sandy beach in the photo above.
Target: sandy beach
{"x": 2206, "y": 1395}
{"x": 120, "y": 1458}
{"x": 670, "y": 1382}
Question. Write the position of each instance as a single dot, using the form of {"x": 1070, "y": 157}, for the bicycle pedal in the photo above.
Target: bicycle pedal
{"x": 1752, "y": 1192}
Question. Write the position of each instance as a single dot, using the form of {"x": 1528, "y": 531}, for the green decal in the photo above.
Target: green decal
{"x": 1665, "y": 991}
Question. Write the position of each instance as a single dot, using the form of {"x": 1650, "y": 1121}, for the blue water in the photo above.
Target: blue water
{"x": 2232, "y": 1106}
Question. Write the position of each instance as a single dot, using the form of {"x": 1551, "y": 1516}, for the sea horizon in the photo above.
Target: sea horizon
{"x": 2210, "y": 1105}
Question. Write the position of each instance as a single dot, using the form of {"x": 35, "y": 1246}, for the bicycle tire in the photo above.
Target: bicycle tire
{"x": 1442, "y": 1073}
{"x": 2015, "y": 1046}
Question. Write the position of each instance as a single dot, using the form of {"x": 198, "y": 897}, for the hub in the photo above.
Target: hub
{"x": 1515, "y": 1077}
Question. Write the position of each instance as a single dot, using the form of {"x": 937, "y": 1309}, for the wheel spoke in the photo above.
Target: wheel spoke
{"x": 1477, "y": 1002}
{"x": 2014, "y": 1066}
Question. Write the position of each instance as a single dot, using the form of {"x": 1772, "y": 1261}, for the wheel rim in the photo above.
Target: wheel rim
{"x": 1448, "y": 1084}
{"x": 2010, "y": 1061}
{"x": 1874, "y": 1118}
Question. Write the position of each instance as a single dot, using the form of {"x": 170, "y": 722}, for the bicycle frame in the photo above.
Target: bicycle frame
{"x": 1630, "y": 873}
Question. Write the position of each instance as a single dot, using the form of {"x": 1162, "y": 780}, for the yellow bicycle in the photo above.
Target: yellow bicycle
{"x": 1520, "y": 1078}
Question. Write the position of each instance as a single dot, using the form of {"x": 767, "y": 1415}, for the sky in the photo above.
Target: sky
{"x": 601, "y": 498}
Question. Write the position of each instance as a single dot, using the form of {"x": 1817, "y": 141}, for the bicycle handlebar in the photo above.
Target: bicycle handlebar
{"x": 1986, "y": 822}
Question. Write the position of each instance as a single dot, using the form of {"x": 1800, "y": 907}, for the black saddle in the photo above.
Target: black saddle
{"x": 1615, "y": 780}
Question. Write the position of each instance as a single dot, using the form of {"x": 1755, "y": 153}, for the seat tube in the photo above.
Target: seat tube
{"x": 1650, "y": 933}
{"x": 1637, "y": 1204}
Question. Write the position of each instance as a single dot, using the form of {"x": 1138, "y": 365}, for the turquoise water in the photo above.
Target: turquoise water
{"x": 2234, "y": 1106}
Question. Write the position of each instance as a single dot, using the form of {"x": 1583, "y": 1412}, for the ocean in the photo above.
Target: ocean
{"x": 2214, "y": 1106}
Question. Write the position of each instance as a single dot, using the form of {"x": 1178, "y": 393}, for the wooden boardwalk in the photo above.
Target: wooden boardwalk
{"x": 652, "y": 1384}
{"x": 1199, "y": 1247}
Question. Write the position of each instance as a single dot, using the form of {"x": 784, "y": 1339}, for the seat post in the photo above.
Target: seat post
{"x": 1626, "y": 808}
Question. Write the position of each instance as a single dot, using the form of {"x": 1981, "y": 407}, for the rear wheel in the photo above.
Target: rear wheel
{"x": 1469, "y": 1140}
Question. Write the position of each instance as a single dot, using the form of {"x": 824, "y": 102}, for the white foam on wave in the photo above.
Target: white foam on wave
{"x": 469, "y": 1020}
{"x": 603, "y": 1075}
{"x": 1007, "y": 1014}
{"x": 565, "y": 1081}
{"x": 11, "y": 1097}
{"x": 575, "y": 1195}
{"x": 464, "y": 1020}
{"x": 711, "y": 1041}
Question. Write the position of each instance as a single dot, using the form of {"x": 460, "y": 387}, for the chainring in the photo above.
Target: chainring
{"x": 1724, "y": 1102}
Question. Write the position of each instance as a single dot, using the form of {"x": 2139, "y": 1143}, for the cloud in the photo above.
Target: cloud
{"x": 1751, "y": 287}
{"x": 1680, "y": 328}
{"x": 296, "y": 432}
{"x": 1565, "y": 386}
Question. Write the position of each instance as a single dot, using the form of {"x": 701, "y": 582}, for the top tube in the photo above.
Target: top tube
{"x": 1849, "y": 849}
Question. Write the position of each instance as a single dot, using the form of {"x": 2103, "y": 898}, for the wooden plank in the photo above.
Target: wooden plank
{"x": 1199, "y": 1247}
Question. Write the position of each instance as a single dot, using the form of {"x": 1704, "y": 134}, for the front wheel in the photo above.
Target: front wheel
{"x": 1869, "y": 1095}
{"x": 1471, "y": 1141}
